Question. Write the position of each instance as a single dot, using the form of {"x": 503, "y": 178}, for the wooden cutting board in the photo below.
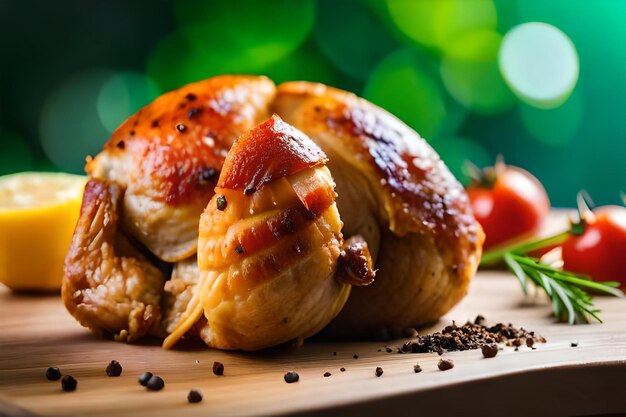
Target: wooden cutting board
{"x": 37, "y": 332}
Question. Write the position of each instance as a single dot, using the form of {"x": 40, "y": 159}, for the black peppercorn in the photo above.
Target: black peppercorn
{"x": 417, "y": 369}
{"x": 221, "y": 203}
{"x": 114, "y": 368}
{"x": 445, "y": 364}
{"x": 194, "y": 396}
{"x": 379, "y": 371}
{"x": 239, "y": 249}
{"x": 489, "y": 351}
{"x": 155, "y": 383}
{"x": 53, "y": 374}
{"x": 68, "y": 383}
{"x": 181, "y": 127}
{"x": 218, "y": 368}
{"x": 144, "y": 378}
{"x": 291, "y": 377}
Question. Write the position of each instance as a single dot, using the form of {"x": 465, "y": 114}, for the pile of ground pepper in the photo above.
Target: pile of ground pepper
{"x": 471, "y": 336}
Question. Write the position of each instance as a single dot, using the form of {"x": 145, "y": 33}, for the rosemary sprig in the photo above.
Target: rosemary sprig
{"x": 568, "y": 291}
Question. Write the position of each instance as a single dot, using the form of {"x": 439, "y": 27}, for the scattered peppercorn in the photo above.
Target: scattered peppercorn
{"x": 155, "y": 123}
{"x": 445, "y": 364}
{"x": 489, "y": 350}
{"x": 181, "y": 127}
{"x": 355, "y": 356}
{"x": 327, "y": 374}
{"x": 380, "y": 350}
{"x": 388, "y": 349}
{"x": 144, "y": 378}
{"x": 334, "y": 353}
{"x": 343, "y": 369}
{"x": 218, "y": 368}
{"x": 239, "y": 249}
{"x": 68, "y": 383}
{"x": 221, "y": 203}
{"x": 155, "y": 383}
{"x": 530, "y": 343}
{"x": 470, "y": 336}
{"x": 191, "y": 96}
{"x": 574, "y": 344}
{"x": 121, "y": 144}
{"x": 114, "y": 368}
{"x": 379, "y": 371}
{"x": 194, "y": 396}
{"x": 417, "y": 369}
{"x": 132, "y": 133}
{"x": 53, "y": 374}
{"x": 291, "y": 377}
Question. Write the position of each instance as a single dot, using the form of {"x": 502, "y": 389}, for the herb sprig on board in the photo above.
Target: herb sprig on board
{"x": 567, "y": 290}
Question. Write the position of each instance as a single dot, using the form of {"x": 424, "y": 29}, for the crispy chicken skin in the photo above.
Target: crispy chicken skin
{"x": 246, "y": 214}
{"x": 269, "y": 245}
{"x": 109, "y": 286}
{"x": 394, "y": 190}
{"x": 168, "y": 157}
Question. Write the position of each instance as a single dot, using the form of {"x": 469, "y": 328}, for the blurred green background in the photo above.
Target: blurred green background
{"x": 71, "y": 71}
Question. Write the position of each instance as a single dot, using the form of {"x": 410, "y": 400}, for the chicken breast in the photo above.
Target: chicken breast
{"x": 270, "y": 241}
{"x": 394, "y": 190}
{"x": 169, "y": 154}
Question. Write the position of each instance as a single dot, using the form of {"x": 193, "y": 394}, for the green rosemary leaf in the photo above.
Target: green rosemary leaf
{"x": 567, "y": 290}
{"x": 517, "y": 270}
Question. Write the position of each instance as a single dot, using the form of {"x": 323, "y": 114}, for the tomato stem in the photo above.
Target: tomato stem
{"x": 496, "y": 255}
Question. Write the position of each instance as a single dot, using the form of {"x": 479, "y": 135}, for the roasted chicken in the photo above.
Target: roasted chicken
{"x": 258, "y": 250}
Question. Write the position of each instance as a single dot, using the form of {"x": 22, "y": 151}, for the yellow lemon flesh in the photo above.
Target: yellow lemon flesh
{"x": 38, "y": 212}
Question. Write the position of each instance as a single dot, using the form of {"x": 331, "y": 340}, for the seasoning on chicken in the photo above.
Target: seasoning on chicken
{"x": 394, "y": 190}
{"x": 268, "y": 260}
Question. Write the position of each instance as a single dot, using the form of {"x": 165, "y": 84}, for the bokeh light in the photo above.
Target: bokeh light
{"x": 540, "y": 64}
{"x": 556, "y": 126}
{"x": 70, "y": 127}
{"x": 122, "y": 95}
{"x": 305, "y": 64}
{"x": 268, "y": 30}
{"x": 226, "y": 37}
{"x": 437, "y": 23}
{"x": 400, "y": 85}
{"x": 433, "y": 63}
{"x": 357, "y": 50}
{"x": 15, "y": 154}
{"x": 469, "y": 70}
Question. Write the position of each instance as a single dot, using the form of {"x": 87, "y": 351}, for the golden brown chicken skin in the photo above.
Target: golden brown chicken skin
{"x": 395, "y": 191}
{"x": 169, "y": 154}
{"x": 270, "y": 241}
{"x": 109, "y": 286}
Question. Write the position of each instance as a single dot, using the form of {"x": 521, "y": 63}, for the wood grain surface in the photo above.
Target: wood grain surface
{"x": 557, "y": 379}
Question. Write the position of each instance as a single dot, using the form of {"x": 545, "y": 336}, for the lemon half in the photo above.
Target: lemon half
{"x": 38, "y": 213}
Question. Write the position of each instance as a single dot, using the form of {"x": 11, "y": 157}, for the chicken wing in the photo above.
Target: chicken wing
{"x": 109, "y": 286}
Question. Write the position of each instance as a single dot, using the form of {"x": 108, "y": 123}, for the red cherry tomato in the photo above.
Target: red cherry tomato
{"x": 512, "y": 205}
{"x": 600, "y": 251}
